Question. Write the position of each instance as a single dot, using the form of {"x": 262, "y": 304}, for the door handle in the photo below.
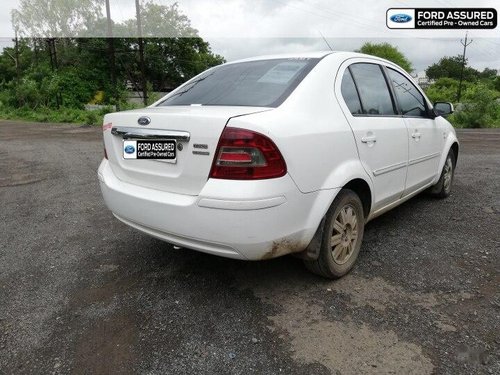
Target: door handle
{"x": 416, "y": 135}
{"x": 369, "y": 138}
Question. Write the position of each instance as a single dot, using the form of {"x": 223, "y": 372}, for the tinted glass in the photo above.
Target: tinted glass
{"x": 263, "y": 83}
{"x": 350, "y": 94}
{"x": 411, "y": 101}
{"x": 373, "y": 89}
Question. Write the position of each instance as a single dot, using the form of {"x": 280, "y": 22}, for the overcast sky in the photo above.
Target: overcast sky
{"x": 243, "y": 28}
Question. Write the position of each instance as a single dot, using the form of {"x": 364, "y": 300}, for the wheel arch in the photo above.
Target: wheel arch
{"x": 451, "y": 144}
{"x": 455, "y": 148}
{"x": 363, "y": 191}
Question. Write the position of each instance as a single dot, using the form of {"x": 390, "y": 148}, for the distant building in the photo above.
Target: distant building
{"x": 422, "y": 80}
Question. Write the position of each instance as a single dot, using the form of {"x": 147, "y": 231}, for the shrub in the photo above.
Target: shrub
{"x": 479, "y": 108}
{"x": 443, "y": 90}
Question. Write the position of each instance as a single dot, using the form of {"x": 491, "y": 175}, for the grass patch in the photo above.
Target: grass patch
{"x": 61, "y": 115}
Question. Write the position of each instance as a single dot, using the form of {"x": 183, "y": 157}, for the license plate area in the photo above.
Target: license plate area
{"x": 152, "y": 149}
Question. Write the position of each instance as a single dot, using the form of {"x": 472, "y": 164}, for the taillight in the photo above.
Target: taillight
{"x": 246, "y": 155}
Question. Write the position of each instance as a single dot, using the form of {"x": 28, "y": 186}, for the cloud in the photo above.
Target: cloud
{"x": 481, "y": 53}
{"x": 286, "y": 18}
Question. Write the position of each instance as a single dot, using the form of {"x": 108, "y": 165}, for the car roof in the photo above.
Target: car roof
{"x": 310, "y": 55}
{"x": 300, "y": 55}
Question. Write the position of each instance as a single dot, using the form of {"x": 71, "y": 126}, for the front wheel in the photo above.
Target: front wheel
{"x": 442, "y": 189}
{"x": 342, "y": 237}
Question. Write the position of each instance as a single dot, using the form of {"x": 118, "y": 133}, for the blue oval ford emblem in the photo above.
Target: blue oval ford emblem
{"x": 401, "y": 18}
{"x": 144, "y": 120}
{"x": 129, "y": 149}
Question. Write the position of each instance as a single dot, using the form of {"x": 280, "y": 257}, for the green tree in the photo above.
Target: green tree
{"x": 496, "y": 83}
{"x": 82, "y": 68}
{"x": 174, "y": 51}
{"x": 488, "y": 73}
{"x": 480, "y": 108}
{"x": 443, "y": 90}
{"x": 451, "y": 67}
{"x": 388, "y": 52}
{"x": 56, "y": 18}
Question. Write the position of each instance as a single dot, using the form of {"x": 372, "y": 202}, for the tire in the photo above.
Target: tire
{"x": 442, "y": 189}
{"x": 342, "y": 237}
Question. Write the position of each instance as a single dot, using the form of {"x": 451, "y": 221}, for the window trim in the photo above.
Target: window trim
{"x": 394, "y": 97}
{"x": 426, "y": 104}
{"x": 395, "y": 106}
{"x": 348, "y": 70}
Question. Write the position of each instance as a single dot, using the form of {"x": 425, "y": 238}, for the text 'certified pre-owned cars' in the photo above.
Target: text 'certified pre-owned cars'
{"x": 263, "y": 157}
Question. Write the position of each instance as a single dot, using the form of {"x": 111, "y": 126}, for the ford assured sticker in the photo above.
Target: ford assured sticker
{"x": 441, "y": 18}
{"x": 150, "y": 149}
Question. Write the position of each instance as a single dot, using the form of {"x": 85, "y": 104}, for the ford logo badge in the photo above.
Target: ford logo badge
{"x": 129, "y": 149}
{"x": 144, "y": 121}
{"x": 401, "y": 18}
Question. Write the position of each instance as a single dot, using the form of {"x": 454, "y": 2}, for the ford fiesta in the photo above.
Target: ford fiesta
{"x": 263, "y": 157}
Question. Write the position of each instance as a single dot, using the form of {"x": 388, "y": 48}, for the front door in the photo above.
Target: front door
{"x": 425, "y": 137}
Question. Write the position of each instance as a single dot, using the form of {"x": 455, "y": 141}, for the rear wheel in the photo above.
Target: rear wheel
{"x": 442, "y": 189}
{"x": 342, "y": 237}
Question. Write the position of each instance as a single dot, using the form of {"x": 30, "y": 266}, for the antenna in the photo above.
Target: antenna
{"x": 326, "y": 41}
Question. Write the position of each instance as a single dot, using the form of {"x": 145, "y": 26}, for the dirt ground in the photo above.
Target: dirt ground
{"x": 82, "y": 293}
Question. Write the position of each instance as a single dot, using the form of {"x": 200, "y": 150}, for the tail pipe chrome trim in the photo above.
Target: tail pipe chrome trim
{"x": 139, "y": 133}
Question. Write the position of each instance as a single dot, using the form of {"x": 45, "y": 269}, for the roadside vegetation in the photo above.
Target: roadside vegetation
{"x": 55, "y": 79}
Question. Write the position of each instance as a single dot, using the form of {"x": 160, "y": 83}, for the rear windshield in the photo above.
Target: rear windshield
{"x": 263, "y": 83}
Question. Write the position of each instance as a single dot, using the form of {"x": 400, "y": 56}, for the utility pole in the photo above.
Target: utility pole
{"x": 141, "y": 53}
{"x": 51, "y": 43}
{"x": 15, "y": 24}
{"x": 111, "y": 55}
{"x": 465, "y": 44}
{"x": 18, "y": 68}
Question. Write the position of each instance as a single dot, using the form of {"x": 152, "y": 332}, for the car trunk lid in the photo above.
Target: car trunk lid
{"x": 196, "y": 129}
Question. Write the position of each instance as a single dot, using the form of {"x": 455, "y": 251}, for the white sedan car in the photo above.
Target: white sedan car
{"x": 268, "y": 156}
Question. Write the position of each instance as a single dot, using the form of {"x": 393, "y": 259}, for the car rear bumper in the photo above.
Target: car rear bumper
{"x": 236, "y": 219}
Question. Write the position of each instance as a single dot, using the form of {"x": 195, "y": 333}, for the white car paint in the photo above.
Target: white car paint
{"x": 324, "y": 146}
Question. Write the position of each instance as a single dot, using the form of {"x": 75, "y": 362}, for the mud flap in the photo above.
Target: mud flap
{"x": 313, "y": 249}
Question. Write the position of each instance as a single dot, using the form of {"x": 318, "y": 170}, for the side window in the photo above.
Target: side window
{"x": 410, "y": 100}
{"x": 373, "y": 90}
{"x": 350, "y": 94}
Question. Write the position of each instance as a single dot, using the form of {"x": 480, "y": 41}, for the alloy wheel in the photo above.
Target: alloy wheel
{"x": 344, "y": 235}
{"x": 448, "y": 174}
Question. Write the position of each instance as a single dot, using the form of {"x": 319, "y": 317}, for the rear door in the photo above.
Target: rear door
{"x": 381, "y": 134}
{"x": 425, "y": 137}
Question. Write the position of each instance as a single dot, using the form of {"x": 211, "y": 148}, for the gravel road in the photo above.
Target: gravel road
{"x": 82, "y": 293}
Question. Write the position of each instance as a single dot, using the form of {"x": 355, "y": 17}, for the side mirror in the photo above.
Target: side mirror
{"x": 443, "y": 108}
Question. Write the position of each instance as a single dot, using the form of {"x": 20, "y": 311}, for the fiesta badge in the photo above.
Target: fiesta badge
{"x": 401, "y": 18}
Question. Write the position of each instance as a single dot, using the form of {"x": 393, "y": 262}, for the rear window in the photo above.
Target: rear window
{"x": 262, "y": 83}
